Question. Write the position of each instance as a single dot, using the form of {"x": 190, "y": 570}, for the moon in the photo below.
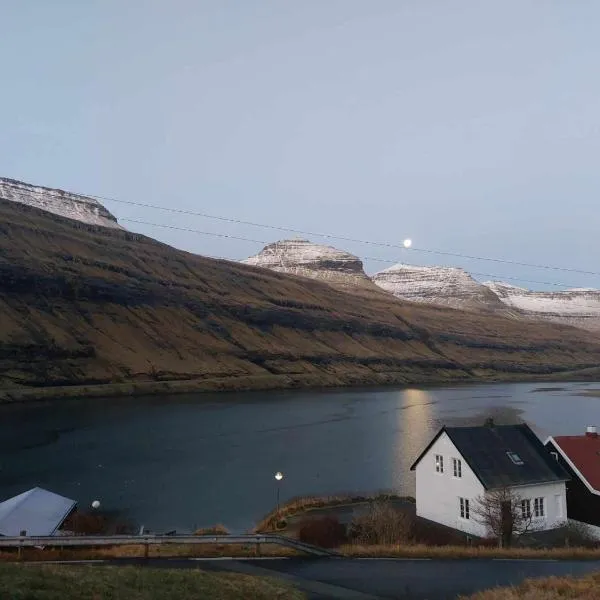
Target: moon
{"x": 407, "y": 243}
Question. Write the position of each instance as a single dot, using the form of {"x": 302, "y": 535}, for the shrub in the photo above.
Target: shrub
{"x": 382, "y": 524}
{"x": 217, "y": 529}
{"x": 326, "y": 532}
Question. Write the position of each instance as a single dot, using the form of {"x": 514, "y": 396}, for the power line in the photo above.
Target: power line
{"x": 333, "y": 236}
{"x": 383, "y": 260}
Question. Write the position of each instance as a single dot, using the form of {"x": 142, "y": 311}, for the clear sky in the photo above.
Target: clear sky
{"x": 471, "y": 127}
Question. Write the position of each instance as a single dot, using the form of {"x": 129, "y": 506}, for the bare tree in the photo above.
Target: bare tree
{"x": 505, "y": 515}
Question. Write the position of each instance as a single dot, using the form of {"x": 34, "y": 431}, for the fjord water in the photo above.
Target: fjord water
{"x": 179, "y": 462}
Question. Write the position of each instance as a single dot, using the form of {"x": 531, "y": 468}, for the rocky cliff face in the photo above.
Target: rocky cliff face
{"x": 58, "y": 202}
{"x": 445, "y": 286}
{"x": 302, "y": 257}
{"x": 577, "y": 307}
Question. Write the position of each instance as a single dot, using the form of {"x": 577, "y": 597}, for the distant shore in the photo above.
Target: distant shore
{"x": 278, "y": 382}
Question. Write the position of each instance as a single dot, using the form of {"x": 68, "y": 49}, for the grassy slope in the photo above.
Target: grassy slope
{"x": 85, "y": 582}
{"x": 84, "y": 305}
{"x": 552, "y": 588}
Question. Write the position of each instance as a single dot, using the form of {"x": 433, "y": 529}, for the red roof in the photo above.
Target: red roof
{"x": 584, "y": 452}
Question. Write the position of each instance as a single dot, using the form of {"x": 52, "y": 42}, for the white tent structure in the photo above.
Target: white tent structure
{"x": 37, "y": 511}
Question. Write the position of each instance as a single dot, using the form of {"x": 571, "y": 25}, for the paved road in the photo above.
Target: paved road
{"x": 383, "y": 579}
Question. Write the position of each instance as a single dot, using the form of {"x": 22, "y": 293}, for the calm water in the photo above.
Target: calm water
{"x": 177, "y": 462}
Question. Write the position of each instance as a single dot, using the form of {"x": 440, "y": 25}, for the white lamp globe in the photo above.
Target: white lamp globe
{"x": 407, "y": 243}
{"x": 279, "y": 475}
{"x": 96, "y": 504}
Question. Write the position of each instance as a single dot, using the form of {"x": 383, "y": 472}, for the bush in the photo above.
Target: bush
{"x": 214, "y": 530}
{"x": 326, "y": 532}
{"x": 576, "y": 534}
{"x": 383, "y": 524}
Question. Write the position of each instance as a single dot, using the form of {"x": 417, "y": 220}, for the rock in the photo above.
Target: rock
{"x": 58, "y": 202}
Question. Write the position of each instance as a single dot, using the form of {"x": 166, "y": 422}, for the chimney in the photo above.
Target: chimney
{"x": 591, "y": 431}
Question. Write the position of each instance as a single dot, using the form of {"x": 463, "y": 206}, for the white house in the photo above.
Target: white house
{"x": 461, "y": 464}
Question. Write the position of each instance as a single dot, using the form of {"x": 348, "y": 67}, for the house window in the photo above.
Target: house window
{"x": 465, "y": 512}
{"x": 439, "y": 463}
{"x": 538, "y": 507}
{"x": 526, "y": 509}
{"x": 457, "y": 467}
{"x": 515, "y": 458}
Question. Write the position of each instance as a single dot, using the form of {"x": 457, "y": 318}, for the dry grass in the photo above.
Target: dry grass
{"x": 303, "y": 504}
{"x": 154, "y": 551}
{"x": 18, "y": 582}
{"x": 218, "y": 529}
{"x": 451, "y": 552}
{"x": 552, "y": 588}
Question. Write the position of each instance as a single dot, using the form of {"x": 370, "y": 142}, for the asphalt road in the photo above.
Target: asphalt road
{"x": 384, "y": 579}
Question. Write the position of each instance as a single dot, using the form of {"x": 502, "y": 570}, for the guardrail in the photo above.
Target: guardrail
{"x": 150, "y": 540}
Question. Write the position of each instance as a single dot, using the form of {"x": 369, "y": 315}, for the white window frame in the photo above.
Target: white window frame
{"x": 464, "y": 509}
{"x": 539, "y": 508}
{"x": 526, "y": 508}
{"x": 457, "y": 468}
{"x": 439, "y": 463}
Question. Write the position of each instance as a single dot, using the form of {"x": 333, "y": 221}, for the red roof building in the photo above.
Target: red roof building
{"x": 580, "y": 456}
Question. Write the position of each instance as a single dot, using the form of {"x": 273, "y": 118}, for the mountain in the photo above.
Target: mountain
{"x": 447, "y": 286}
{"x": 577, "y": 307}
{"x": 58, "y": 202}
{"x": 304, "y": 258}
{"x": 87, "y": 305}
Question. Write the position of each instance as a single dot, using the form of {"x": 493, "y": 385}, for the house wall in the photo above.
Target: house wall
{"x": 582, "y": 505}
{"x": 555, "y": 503}
{"x": 438, "y": 493}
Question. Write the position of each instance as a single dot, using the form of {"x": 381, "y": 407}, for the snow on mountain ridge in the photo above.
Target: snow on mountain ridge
{"x": 303, "y": 257}
{"x": 450, "y": 286}
{"x": 58, "y": 202}
{"x": 566, "y": 303}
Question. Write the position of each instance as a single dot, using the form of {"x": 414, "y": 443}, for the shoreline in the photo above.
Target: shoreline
{"x": 273, "y": 382}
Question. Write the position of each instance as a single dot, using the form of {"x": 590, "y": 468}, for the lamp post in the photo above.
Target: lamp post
{"x": 278, "y": 478}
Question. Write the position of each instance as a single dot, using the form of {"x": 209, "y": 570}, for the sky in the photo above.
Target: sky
{"x": 470, "y": 127}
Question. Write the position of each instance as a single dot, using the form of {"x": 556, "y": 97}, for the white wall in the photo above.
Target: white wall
{"x": 554, "y": 495}
{"x": 438, "y": 493}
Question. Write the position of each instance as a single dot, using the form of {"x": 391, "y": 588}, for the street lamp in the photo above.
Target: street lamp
{"x": 278, "y": 478}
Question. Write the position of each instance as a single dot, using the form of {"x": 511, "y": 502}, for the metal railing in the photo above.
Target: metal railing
{"x": 151, "y": 540}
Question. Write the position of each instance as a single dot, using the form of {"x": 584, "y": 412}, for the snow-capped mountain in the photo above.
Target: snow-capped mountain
{"x": 578, "y": 307}
{"x": 448, "y": 286}
{"x": 302, "y": 257}
{"x": 59, "y": 202}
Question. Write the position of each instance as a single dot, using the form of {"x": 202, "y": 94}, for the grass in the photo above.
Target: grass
{"x": 456, "y": 552}
{"x": 154, "y": 551}
{"x": 303, "y": 504}
{"x": 112, "y": 307}
{"x": 552, "y": 588}
{"x": 19, "y": 582}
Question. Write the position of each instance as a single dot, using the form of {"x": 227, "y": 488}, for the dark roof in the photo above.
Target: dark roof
{"x": 485, "y": 449}
{"x": 584, "y": 452}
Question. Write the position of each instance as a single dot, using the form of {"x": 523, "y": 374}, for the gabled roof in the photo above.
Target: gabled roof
{"x": 37, "y": 511}
{"x": 583, "y": 453}
{"x": 486, "y": 450}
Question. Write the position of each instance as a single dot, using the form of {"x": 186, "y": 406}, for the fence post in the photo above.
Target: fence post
{"x": 22, "y": 534}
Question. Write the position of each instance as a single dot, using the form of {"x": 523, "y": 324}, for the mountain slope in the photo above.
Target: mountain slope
{"x": 58, "y": 202}
{"x": 447, "y": 286}
{"x": 307, "y": 259}
{"x": 577, "y": 307}
{"x": 86, "y": 304}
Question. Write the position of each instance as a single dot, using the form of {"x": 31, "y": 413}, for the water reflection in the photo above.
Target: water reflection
{"x": 415, "y": 426}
